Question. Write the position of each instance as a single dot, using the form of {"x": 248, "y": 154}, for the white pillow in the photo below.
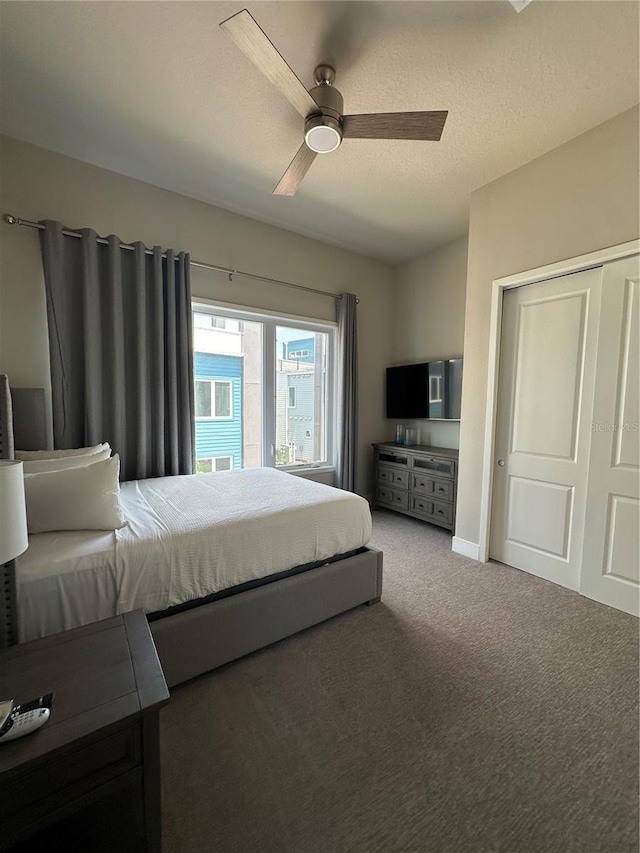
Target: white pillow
{"x": 41, "y": 466}
{"x": 86, "y": 498}
{"x": 25, "y": 455}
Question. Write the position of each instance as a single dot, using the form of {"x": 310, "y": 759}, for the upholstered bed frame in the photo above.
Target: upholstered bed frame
{"x": 206, "y": 636}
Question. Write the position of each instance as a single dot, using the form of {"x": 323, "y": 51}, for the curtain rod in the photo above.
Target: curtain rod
{"x": 14, "y": 220}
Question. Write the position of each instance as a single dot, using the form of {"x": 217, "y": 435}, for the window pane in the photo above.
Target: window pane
{"x": 301, "y": 396}
{"x": 229, "y": 353}
{"x": 203, "y": 466}
{"x": 203, "y": 399}
{"x": 223, "y": 400}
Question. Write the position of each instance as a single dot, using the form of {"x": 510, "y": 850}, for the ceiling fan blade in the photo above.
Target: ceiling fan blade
{"x": 296, "y": 171}
{"x": 427, "y": 125}
{"x": 255, "y": 44}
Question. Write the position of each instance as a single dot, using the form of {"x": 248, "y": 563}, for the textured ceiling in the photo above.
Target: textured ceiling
{"x": 155, "y": 90}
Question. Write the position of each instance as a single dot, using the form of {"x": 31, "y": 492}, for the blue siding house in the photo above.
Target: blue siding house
{"x": 218, "y": 384}
{"x": 300, "y": 350}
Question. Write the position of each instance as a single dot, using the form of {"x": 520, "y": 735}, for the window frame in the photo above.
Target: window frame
{"x": 213, "y": 416}
{"x": 291, "y": 405}
{"x": 270, "y": 320}
{"x": 214, "y": 461}
{"x": 435, "y": 389}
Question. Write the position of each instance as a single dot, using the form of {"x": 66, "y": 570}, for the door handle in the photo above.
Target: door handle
{"x": 501, "y": 463}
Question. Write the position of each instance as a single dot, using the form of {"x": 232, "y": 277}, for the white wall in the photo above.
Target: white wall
{"x": 38, "y": 184}
{"x": 575, "y": 199}
{"x": 429, "y": 322}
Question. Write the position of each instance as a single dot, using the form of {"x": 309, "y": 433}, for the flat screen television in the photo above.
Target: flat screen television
{"x": 429, "y": 390}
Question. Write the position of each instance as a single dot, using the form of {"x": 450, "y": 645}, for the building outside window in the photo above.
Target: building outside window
{"x": 215, "y": 463}
{"x": 214, "y": 398}
{"x": 263, "y": 390}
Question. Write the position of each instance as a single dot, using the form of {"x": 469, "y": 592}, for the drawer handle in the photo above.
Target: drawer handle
{"x": 440, "y": 511}
{"x": 399, "y": 500}
{"x": 420, "y": 506}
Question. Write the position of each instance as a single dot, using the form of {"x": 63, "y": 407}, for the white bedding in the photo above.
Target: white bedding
{"x": 185, "y": 538}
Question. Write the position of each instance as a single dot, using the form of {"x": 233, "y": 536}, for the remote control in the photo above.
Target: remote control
{"x": 23, "y": 724}
{"x": 41, "y": 702}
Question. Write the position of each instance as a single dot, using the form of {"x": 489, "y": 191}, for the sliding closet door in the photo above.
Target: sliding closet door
{"x": 611, "y": 564}
{"x": 545, "y": 400}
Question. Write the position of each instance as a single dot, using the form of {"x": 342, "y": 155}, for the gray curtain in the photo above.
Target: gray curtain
{"x": 347, "y": 352}
{"x": 120, "y": 341}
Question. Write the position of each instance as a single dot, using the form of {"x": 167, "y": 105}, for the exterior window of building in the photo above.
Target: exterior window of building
{"x": 264, "y": 390}
{"x": 203, "y": 399}
{"x": 435, "y": 389}
{"x": 222, "y": 400}
{"x": 213, "y": 399}
{"x": 215, "y": 463}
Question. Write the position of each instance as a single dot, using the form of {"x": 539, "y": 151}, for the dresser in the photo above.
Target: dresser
{"x": 420, "y": 481}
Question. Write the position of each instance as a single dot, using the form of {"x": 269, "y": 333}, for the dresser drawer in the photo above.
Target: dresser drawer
{"x": 71, "y": 776}
{"x": 385, "y": 495}
{"x": 393, "y": 477}
{"x": 438, "y": 466}
{"x": 385, "y": 475}
{"x": 443, "y": 511}
{"x": 392, "y": 457}
{"x": 421, "y": 505}
{"x": 421, "y": 484}
{"x": 443, "y": 490}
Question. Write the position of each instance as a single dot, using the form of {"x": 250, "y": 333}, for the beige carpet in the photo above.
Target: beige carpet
{"x": 475, "y": 709}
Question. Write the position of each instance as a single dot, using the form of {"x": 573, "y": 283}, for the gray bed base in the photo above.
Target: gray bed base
{"x": 205, "y": 637}
{"x": 200, "y": 639}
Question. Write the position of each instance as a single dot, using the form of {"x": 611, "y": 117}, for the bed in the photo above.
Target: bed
{"x": 223, "y": 564}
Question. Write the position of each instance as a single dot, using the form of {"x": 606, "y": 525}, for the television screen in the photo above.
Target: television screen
{"x": 408, "y": 391}
{"x": 428, "y": 390}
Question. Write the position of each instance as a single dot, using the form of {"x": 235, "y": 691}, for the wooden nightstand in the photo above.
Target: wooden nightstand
{"x": 94, "y": 767}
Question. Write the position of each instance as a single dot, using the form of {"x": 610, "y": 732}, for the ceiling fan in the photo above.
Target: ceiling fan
{"x": 322, "y": 106}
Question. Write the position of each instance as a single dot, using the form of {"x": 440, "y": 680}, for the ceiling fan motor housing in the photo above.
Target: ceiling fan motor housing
{"x": 323, "y": 130}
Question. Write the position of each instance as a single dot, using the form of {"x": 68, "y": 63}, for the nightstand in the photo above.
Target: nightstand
{"x": 94, "y": 767}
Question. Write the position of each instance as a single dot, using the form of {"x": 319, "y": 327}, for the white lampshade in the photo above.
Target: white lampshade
{"x": 13, "y": 512}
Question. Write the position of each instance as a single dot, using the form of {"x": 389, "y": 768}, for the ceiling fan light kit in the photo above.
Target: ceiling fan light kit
{"x": 322, "y": 107}
{"x": 322, "y": 134}
{"x": 323, "y": 130}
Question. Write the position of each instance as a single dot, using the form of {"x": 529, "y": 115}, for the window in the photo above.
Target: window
{"x": 213, "y": 398}
{"x": 435, "y": 389}
{"x": 215, "y": 463}
{"x": 257, "y": 400}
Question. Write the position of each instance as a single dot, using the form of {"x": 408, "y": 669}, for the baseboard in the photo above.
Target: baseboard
{"x": 467, "y": 549}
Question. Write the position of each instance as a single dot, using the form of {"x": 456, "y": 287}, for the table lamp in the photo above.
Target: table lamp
{"x": 13, "y": 511}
